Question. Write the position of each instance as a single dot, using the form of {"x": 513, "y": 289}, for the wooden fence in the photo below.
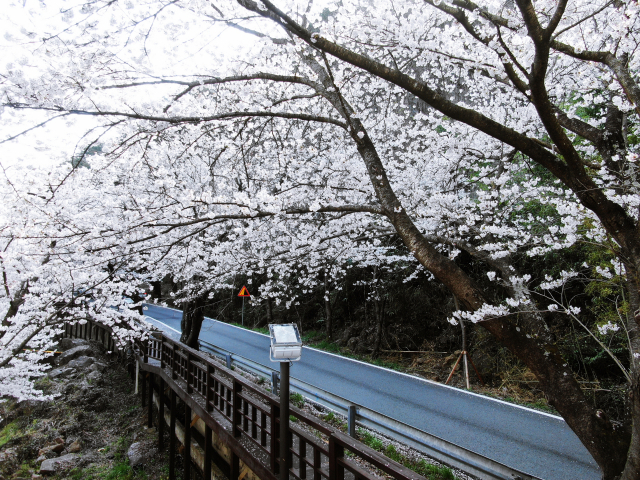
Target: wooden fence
{"x": 242, "y": 416}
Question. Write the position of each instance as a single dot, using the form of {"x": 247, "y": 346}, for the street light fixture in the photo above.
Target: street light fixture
{"x": 286, "y": 346}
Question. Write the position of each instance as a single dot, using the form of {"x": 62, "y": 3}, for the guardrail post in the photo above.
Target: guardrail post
{"x": 351, "y": 420}
{"x": 228, "y": 358}
{"x": 274, "y": 382}
{"x": 187, "y": 442}
{"x": 336, "y": 471}
{"x": 275, "y": 439}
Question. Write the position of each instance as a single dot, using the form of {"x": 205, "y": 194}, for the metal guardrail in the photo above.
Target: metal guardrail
{"x": 442, "y": 450}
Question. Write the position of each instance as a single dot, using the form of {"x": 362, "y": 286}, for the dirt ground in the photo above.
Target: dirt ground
{"x": 94, "y": 416}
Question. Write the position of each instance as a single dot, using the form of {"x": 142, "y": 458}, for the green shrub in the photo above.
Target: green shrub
{"x": 297, "y": 399}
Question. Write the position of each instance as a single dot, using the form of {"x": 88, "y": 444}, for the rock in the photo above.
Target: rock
{"x": 61, "y": 372}
{"x": 140, "y": 453}
{"x": 69, "y": 388}
{"x": 75, "y": 352}
{"x": 450, "y": 359}
{"x": 41, "y": 458}
{"x": 9, "y": 457}
{"x": 97, "y": 367}
{"x": 35, "y": 476}
{"x": 74, "y": 447}
{"x": 59, "y": 440}
{"x": 81, "y": 362}
{"x": 94, "y": 378}
{"x": 52, "y": 465}
{"x": 69, "y": 343}
{"x": 50, "y": 451}
{"x": 100, "y": 404}
{"x": 57, "y": 448}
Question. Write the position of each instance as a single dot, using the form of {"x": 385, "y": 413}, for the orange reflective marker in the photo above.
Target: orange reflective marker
{"x": 243, "y": 293}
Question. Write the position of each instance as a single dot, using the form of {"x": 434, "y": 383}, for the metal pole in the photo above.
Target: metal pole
{"x": 284, "y": 421}
{"x": 242, "y": 311}
{"x": 351, "y": 420}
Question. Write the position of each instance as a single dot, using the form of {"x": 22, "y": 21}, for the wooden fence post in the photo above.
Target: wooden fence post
{"x": 150, "y": 402}
{"x": 187, "y": 443}
{"x": 234, "y": 466}
{"x": 237, "y": 412}
{"x": 210, "y": 382}
{"x": 174, "y": 373}
{"x": 275, "y": 434}
{"x": 302, "y": 452}
{"x": 207, "y": 452}
{"x": 161, "y": 413}
{"x": 336, "y": 471}
{"x": 190, "y": 381}
{"x": 172, "y": 437}
{"x": 143, "y": 392}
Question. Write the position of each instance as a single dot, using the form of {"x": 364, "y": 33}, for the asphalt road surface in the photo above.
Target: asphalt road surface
{"x": 530, "y": 441}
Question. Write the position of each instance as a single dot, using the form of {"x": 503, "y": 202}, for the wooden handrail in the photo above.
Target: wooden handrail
{"x": 252, "y": 413}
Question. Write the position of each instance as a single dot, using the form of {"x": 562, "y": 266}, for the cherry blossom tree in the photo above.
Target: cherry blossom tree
{"x": 497, "y": 129}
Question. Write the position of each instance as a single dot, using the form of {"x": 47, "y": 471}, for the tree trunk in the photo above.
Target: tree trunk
{"x": 632, "y": 468}
{"x": 270, "y": 310}
{"x": 378, "y": 309}
{"x": 156, "y": 291}
{"x": 328, "y": 311}
{"x": 607, "y": 443}
{"x": 192, "y": 318}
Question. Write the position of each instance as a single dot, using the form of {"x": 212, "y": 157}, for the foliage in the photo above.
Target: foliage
{"x": 297, "y": 399}
{"x": 340, "y": 146}
{"x": 429, "y": 471}
{"x": 9, "y": 432}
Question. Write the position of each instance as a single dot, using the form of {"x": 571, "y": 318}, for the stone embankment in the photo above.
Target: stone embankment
{"x": 94, "y": 428}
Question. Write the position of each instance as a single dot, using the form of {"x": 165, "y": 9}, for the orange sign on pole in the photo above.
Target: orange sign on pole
{"x": 243, "y": 293}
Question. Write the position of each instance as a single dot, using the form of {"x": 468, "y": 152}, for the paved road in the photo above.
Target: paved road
{"x": 533, "y": 442}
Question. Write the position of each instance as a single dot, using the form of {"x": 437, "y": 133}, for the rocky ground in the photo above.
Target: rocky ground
{"x": 87, "y": 431}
